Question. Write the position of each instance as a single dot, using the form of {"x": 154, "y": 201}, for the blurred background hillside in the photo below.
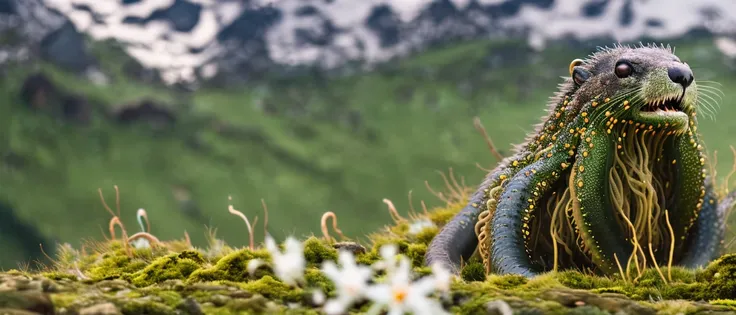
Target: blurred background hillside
{"x": 312, "y": 106}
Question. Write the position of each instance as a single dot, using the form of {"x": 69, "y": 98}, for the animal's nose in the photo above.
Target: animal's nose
{"x": 681, "y": 75}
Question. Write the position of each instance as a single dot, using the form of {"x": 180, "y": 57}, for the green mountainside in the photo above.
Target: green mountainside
{"x": 304, "y": 144}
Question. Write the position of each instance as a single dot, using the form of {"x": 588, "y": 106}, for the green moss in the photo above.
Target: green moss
{"x": 577, "y": 280}
{"x": 368, "y": 258}
{"x": 315, "y": 278}
{"x": 725, "y": 302}
{"x": 415, "y": 252}
{"x": 170, "y": 298}
{"x": 114, "y": 266}
{"x": 426, "y": 235}
{"x": 256, "y": 304}
{"x": 316, "y": 251}
{"x": 423, "y": 271}
{"x": 473, "y": 271}
{"x": 273, "y": 289}
{"x": 59, "y": 275}
{"x": 442, "y": 215}
{"x": 400, "y": 229}
{"x": 137, "y": 307}
{"x": 232, "y": 267}
{"x": 720, "y": 275}
{"x": 507, "y": 281}
{"x": 64, "y": 299}
{"x": 175, "y": 266}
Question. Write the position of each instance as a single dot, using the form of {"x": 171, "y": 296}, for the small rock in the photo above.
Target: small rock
{"x": 76, "y": 109}
{"x": 156, "y": 115}
{"x": 100, "y": 309}
{"x": 39, "y": 93}
{"x": 498, "y": 307}
{"x": 190, "y": 306}
{"x": 33, "y": 301}
{"x": 353, "y": 247}
{"x": 219, "y": 299}
{"x": 113, "y": 285}
{"x": 10, "y": 311}
{"x": 608, "y": 301}
{"x": 240, "y": 294}
{"x": 66, "y": 47}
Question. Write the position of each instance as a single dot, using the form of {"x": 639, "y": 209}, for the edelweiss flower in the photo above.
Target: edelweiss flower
{"x": 388, "y": 258}
{"x": 401, "y": 295}
{"x": 253, "y": 265}
{"x": 442, "y": 278}
{"x": 419, "y": 225}
{"x": 350, "y": 282}
{"x": 289, "y": 265}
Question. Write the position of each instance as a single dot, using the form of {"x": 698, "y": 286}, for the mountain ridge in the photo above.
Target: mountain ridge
{"x": 190, "y": 40}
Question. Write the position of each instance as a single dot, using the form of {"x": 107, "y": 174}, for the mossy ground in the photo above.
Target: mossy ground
{"x": 172, "y": 278}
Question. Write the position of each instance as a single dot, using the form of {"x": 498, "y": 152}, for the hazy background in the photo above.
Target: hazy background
{"x": 312, "y": 106}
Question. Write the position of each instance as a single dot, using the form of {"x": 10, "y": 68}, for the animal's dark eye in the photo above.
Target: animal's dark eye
{"x": 580, "y": 76}
{"x": 623, "y": 69}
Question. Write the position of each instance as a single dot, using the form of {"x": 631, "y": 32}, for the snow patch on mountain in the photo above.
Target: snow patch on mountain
{"x": 186, "y": 39}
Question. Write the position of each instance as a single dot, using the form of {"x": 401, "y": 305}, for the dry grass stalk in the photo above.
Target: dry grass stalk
{"x": 150, "y": 238}
{"x": 392, "y": 210}
{"x": 247, "y": 223}
{"x": 265, "y": 218}
{"x": 325, "y": 230}
{"x": 479, "y": 126}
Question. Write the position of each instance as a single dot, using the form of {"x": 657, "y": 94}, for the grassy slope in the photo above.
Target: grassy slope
{"x": 416, "y": 118}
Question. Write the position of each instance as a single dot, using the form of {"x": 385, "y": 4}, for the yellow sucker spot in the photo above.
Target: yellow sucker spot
{"x": 626, "y": 102}
{"x": 607, "y": 100}
{"x": 585, "y": 153}
{"x": 580, "y": 183}
{"x": 564, "y": 165}
{"x": 608, "y": 113}
{"x": 502, "y": 177}
{"x": 584, "y": 114}
{"x": 581, "y": 168}
{"x": 674, "y": 161}
{"x": 515, "y": 163}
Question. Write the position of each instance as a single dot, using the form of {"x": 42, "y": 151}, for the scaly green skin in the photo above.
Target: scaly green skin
{"x": 578, "y": 140}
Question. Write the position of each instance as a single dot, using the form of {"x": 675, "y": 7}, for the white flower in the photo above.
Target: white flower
{"x": 419, "y": 225}
{"x": 401, "y": 295}
{"x": 350, "y": 282}
{"x": 253, "y": 265}
{"x": 289, "y": 265}
{"x": 140, "y": 243}
{"x": 442, "y": 277}
{"x": 388, "y": 258}
{"x": 318, "y": 297}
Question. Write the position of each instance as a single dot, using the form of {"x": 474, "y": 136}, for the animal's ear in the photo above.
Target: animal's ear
{"x": 579, "y": 74}
{"x": 574, "y": 64}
